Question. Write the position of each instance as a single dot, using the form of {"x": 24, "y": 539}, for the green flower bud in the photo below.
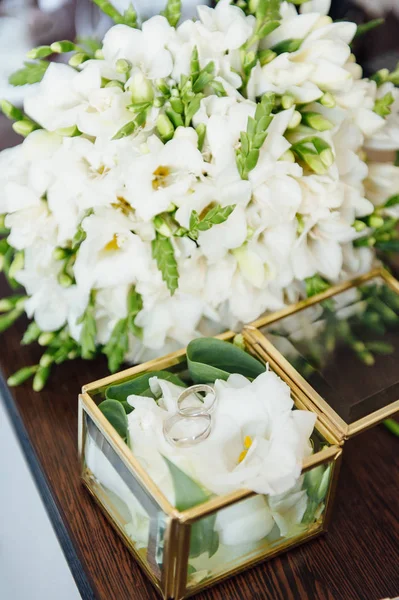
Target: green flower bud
{"x": 301, "y": 224}
{"x": 11, "y": 111}
{"x": 99, "y": 54}
{"x": 171, "y": 208}
{"x": 239, "y": 341}
{"x": 266, "y": 56}
{"x": 359, "y": 225}
{"x": 375, "y": 221}
{"x": 288, "y": 156}
{"x": 65, "y": 280}
{"x": 46, "y": 338}
{"x": 16, "y": 265}
{"x": 287, "y": 101}
{"x": 72, "y": 355}
{"x": 46, "y": 360}
{"x": 327, "y": 157}
{"x": 40, "y": 378}
{"x": 177, "y": 105}
{"x": 165, "y": 128}
{"x": 78, "y": 58}
{"x": 163, "y": 87}
{"x": 60, "y": 253}
{"x": 158, "y": 102}
{"x": 72, "y": 131}
{"x": 24, "y": 127}
{"x": 327, "y": 100}
{"x": 316, "y": 121}
{"x": 141, "y": 89}
{"x": 39, "y": 52}
{"x": 22, "y": 375}
{"x": 9, "y": 318}
{"x": 315, "y": 163}
{"x": 295, "y": 120}
{"x": 123, "y": 66}
{"x": 201, "y": 132}
{"x": 115, "y": 83}
{"x": 63, "y": 46}
{"x": 31, "y": 334}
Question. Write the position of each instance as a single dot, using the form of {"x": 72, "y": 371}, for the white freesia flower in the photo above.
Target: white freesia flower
{"x": 66, "y": 98}
{"x": 145, "y": 49}
{"x": 111, "y": 254}
{"x": 163, "y": 174}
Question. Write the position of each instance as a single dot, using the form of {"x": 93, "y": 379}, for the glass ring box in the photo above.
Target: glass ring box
{"x": 184, "y": 551}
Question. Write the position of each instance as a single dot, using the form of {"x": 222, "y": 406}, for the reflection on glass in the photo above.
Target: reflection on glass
{"x": 257, "y": 526}
{"x": 135, "y": 512}
{"x": 346, "y": 347}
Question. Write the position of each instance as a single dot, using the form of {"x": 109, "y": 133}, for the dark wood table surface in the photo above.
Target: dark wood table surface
{"x": 358, "y": 559}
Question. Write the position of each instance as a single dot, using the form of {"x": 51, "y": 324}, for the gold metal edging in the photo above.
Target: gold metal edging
{"x": 336, "y": 467}
{"x": 126, "y": 455}
{"x": 336, "y": 289}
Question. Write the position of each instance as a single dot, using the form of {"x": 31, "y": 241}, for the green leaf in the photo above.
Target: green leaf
{"x": 117, "y": 345}
{"x": 139, "y": 386}
{"x": 315, "y": 285}
{"x": 209, "y": 359}
{"x": 163, "y": 253}
{"x": 115, "y": 413}
{"x": 188, "y": 493}
{"x": 392, "y": 201}
{"x": 215, "y": 216}
{"x": 33, "y": 72}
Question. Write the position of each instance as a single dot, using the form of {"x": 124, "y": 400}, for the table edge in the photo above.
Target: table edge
{"x": 74, "y": 563}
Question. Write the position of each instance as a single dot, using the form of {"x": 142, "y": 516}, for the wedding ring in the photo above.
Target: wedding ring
{"x": 191, "y": 440}
{"x": 190, "y": 411}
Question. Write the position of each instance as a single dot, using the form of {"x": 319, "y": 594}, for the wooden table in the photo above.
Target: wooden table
{"x": 357, "y": 560}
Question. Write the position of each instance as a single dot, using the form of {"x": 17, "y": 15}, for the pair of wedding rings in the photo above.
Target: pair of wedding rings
{"x": 199, "y": 414}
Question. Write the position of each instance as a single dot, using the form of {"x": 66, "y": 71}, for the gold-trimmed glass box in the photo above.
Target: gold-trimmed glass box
{"x": 179, "y": 550}
{"x": 340, "y": 349}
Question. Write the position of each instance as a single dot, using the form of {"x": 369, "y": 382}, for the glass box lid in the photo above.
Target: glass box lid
{"x": 341, "y": 349}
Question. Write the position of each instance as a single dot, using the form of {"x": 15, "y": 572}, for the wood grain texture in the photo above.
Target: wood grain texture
{"x": 357, "y": 560}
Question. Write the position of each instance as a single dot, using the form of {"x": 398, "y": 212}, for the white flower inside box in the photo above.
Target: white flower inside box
{"x": 187, "y": 536}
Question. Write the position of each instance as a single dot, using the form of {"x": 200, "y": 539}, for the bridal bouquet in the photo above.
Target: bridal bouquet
{"x": 179, "y": 179}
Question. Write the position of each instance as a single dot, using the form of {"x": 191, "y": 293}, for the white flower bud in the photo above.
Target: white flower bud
{"x": 141, "y": 89}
